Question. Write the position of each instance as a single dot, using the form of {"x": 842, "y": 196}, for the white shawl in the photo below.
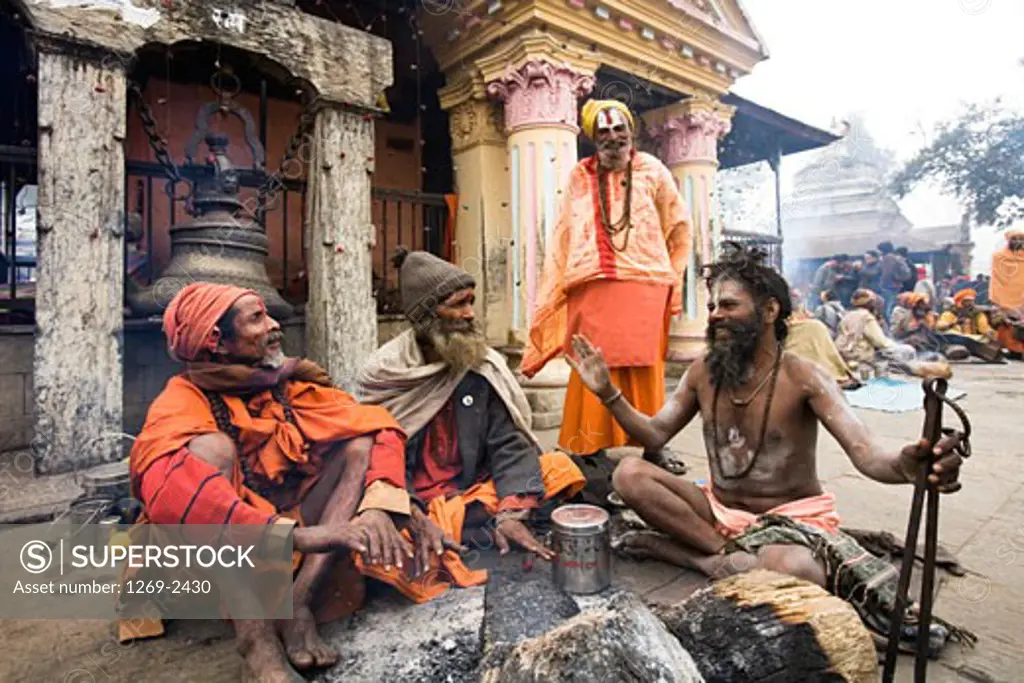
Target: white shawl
{"x": 399, "y": 378}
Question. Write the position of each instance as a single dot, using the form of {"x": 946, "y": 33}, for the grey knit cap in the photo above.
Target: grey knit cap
{"x": 427, "y": 281}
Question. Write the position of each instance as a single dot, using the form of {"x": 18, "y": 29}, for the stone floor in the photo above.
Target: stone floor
{"x": 983, "y": 525}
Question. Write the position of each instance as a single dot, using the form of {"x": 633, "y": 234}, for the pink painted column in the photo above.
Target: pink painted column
{"x": 541, "y": 102}
{"x": 687, "y": 134}
{"x": 541, "y": 99}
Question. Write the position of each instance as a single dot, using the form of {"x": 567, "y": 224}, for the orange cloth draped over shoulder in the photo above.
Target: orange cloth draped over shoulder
{"x": 1007, "y": 289}
{"x": 561, "y": 478}
{"x": 654, "y": 251}
{"x": 176, "y": 487}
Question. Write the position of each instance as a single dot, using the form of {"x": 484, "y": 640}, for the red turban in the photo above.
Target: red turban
{"x": 959, "y": 297}
{"x": 191, "y": 317}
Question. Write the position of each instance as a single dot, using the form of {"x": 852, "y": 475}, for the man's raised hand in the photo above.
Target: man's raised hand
{"x": 590, "y": 365}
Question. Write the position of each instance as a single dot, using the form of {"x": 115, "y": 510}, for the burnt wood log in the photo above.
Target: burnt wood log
{"x": 763, "y": 626}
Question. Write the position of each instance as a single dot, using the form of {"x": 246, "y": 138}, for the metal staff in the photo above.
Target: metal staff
{"x": 934, "y": 397}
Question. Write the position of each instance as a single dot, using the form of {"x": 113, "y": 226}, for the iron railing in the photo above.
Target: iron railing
{"x": 18, "y": 218}
{"x": 770, "y": 244}
{"x": 410, "y": 219}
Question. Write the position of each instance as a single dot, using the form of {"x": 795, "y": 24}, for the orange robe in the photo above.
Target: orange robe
{"x": 583, "y": 259}
{"x": 175, "y": 487}
{"x": 1007, "y": 291}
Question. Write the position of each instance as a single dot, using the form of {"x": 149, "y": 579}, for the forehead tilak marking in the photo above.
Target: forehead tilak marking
{"x": 610, "y": 117}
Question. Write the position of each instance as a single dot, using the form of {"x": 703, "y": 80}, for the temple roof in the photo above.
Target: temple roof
{"x": 759, "y": 132}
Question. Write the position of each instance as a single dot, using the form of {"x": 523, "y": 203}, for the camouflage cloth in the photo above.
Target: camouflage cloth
{"x": 869, "y": 583}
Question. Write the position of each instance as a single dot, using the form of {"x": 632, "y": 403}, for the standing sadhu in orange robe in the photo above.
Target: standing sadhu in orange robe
{"x": 1007, "y": 291}
{"x": 245, "y": 435}
{"x": 613, "y": 272}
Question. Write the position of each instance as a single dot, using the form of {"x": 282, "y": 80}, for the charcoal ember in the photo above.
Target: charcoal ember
{"x": 621, "y": 641}
{"x": 453, "y": 659}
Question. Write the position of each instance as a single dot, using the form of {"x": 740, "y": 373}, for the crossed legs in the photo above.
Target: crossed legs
{"x": 332, "y": 499}
{"x": 679, "y": 510}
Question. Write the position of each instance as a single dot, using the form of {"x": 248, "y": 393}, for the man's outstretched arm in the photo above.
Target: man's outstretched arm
{"x": 871, "y": 458}
{"x": 651, "y": 432}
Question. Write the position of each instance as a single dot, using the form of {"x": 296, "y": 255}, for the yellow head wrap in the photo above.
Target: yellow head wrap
{"x": 593, "y": 107}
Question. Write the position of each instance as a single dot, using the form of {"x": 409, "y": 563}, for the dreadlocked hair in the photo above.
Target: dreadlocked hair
{"x": 745, "y": 265}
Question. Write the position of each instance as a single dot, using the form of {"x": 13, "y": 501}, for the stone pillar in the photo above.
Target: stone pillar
{"x": 77, "y": 370}
{"x": 541, "y": 102}
{"x": 483, "y": 239}
{"x": 341, "y": 317}
{"x": 687, "y": 134}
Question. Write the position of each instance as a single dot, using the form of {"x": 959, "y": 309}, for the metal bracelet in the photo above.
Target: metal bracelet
{"x": 615, "y": 397}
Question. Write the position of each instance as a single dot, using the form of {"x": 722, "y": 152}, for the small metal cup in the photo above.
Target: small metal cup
{"x": 581, "y": 540}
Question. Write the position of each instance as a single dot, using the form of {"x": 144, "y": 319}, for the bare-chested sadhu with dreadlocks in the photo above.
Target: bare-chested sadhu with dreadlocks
{"x": 761, "y": 406}
{"x": 245, "y": 435}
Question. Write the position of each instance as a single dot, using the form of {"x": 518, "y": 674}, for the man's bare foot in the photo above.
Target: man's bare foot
{"x": 264, "y": 660}
{"x": 302, "y": 642}
{"x": 657, "y": 546}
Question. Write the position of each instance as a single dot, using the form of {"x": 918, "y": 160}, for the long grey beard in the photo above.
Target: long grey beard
{"x": 462, "y": 350}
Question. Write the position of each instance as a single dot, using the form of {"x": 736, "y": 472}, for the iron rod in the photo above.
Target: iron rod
{"x": 149, "y": 231}
{"x": 284, "y": 238}
{"x": 931, "y": 533}
{"x": 384, "y": 257}
{"x": 12, "y": 231}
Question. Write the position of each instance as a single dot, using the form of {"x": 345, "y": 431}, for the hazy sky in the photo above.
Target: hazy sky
{"x": 901, "y": 64}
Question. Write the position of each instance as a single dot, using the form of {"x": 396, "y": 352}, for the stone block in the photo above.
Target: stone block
{"x": 16, "y": 352}
{"x": 542, "y": 421}
{"x": 15, "y": 433}
{"x": 12, "y": 395}
{"x": 621, "y": 640}
{"x": 546, "y": 400}
{"x": 30, "y": 389}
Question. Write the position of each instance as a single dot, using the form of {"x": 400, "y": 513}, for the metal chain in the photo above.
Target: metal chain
{"x": 159, "y": 145}
{"x": 273, "y": 181}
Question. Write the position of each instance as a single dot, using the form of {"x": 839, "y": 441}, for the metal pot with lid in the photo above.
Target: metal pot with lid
{"x": 581, "y": 540}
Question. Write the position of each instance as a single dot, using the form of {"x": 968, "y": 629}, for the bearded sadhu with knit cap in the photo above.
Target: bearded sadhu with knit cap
{"x": 246, "y": 435}
{"x": 613, "y": 274}
{"x": 472, "y": 469}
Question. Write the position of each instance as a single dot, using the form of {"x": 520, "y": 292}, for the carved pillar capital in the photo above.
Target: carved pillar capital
{"x": 689, "y": 132}
{"x": 541, "y": 93}
{"x": 475, "y": 122}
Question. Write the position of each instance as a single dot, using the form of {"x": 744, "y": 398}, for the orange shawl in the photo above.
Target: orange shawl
{"x": 271, "y": 444}
{"x": 1007, "y": 286}
{"x": 580, "y": 251}
{"x": 561, "y": 478}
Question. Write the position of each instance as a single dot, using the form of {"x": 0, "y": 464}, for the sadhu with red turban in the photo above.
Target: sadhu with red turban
{"x": 247, "y": 435}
